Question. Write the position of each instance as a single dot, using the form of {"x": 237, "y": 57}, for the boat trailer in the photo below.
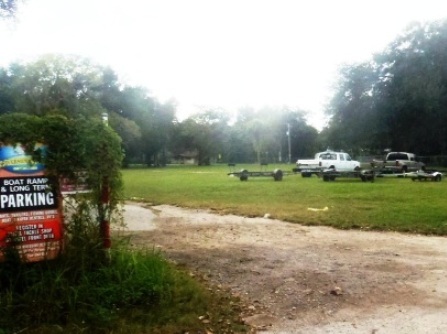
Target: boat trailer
{"x": 243, "y": 174}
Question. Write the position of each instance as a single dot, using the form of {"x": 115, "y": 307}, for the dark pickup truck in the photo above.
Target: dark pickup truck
{"x": 398, "y": 162}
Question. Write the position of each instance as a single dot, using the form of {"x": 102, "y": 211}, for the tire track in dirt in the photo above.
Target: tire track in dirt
{"x": 310, "y": 279}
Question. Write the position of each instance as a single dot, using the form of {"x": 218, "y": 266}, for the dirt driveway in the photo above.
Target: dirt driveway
{"x": 299, "y": 279}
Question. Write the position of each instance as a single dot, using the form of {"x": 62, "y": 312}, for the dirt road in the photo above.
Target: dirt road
{"x": 299, "y": 279}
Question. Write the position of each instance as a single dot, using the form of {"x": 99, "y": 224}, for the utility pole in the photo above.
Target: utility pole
{"x": 288, "y": 140}
{"x": 104, "y": 227}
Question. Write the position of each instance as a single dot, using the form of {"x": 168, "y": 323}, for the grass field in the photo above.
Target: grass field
{"x": 396, "y": 204}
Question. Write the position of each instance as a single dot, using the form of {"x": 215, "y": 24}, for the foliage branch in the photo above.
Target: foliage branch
{"x": 8, "y": 8}
{"x": 72, "y": 146}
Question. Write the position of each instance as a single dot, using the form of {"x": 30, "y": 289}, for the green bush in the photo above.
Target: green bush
{"x": 138, "y": 291}
{"x": 90, "y": 289}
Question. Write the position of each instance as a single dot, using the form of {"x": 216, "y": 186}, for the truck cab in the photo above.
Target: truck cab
{"x": 339, "y": 161}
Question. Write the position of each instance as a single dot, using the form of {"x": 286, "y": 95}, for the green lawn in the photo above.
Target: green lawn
{"x": 387, "y": 204}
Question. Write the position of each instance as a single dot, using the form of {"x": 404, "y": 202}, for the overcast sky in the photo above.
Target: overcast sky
{"x": 218, "y": 53}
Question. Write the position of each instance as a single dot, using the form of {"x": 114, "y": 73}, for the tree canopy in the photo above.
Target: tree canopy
{"x": 8, "y": 8}
{"x": 78, "y": 89}
{"x": 72, "y": 145}
{"x": 395, "y": 100}
{"x": 398, "y": 99}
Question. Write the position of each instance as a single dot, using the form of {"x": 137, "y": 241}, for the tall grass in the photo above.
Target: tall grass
{"x": 396, "y": 204}
{"x": 138, "y": 292}
{"x": 87, "y": 290}
{"x": 56, "y": 294}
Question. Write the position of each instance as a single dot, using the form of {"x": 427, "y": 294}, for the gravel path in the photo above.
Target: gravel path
{"x": 299, "y": 279}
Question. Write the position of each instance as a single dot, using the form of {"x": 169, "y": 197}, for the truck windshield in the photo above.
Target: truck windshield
{"x": 397, "y": 156}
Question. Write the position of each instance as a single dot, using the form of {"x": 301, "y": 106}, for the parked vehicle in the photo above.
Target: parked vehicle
{"x": 398, "y": 162}
{"x": 337, "y": 161}
{"x": 421, "y": 175}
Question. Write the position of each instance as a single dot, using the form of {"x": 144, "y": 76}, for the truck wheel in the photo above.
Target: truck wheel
{"x": 244, "y": 175}
{"x": 404, "y": 169}
{"x": 367, "y": 175}
{"x": 326, "y": 178}
{"x": 438, "y": 178}
{"x": 277, "y": 175}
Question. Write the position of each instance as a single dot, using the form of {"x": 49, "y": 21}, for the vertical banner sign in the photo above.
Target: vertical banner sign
{"x": 30, "y": 212}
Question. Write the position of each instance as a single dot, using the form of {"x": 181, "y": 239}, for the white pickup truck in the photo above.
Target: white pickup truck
{"x": 338, "y": 161}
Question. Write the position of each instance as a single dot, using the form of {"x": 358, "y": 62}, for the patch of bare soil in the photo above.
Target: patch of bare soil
{"x": 299, "y": 279}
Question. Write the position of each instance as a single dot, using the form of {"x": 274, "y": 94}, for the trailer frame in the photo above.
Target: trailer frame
{"x": 243, "y": 174}
{"x": 364, "y": 174}
{"x": 425, "y": 175}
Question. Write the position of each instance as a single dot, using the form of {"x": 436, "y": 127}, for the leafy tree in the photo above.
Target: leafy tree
{"x": 204, "y": 134}
{"x": 353, "y": 119}
{"x": 412, "y": 94}
{"x": 274, "y": 133}
{"x": 398, "y": 100}
{"x": 257, "y": 130}
{"x": 55, "y": 84}
{"x": 304, "y": 138}
{"x": 266, "y": 130}
{"x": 76, "y": 88}
{"x": 129, "y": 111}
{"x": 6, "y": 98}
{"x": 216, "y": 123}
{"x": 8, "y": 8}
{"x": 289, "y": 122}
{"x": 73, "y": 145}
{"x": 238, "y": 147}
{"x": 156, "y": 126}
{"x": 155, "y": 120}
{"x": 130, "y": 134}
